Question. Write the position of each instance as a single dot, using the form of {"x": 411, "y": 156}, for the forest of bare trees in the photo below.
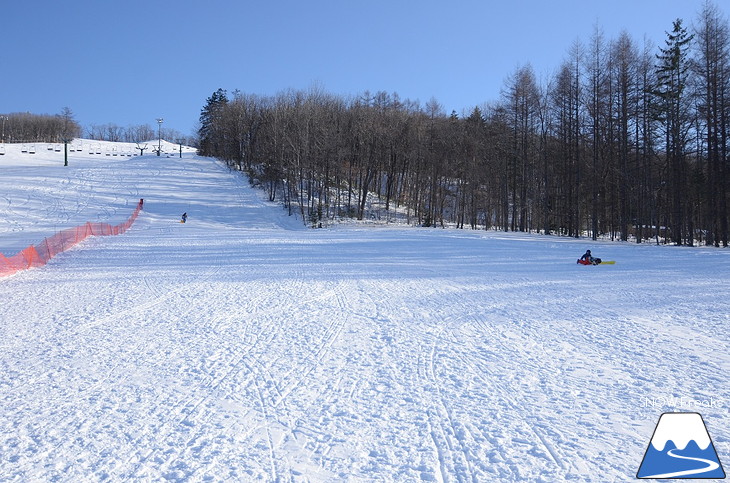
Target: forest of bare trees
{"x": 626, "y": 140}
{"x": 27, "y": 127}
{"x": 135, "y": 134}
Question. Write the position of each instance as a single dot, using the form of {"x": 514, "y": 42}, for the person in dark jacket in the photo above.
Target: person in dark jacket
{"x": 588, "y": 259}
{"x": 184, "y": 217}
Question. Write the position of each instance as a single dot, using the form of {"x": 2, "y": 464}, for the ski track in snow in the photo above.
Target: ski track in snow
{"x": 241, "y": 346}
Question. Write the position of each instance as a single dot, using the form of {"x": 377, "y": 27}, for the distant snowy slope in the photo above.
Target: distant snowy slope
{"x": 41, "y": 196}
{"x": 241, "y": 346}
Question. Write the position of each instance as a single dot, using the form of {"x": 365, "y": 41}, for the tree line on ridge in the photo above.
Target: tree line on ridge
{"x": 624, "y": 141}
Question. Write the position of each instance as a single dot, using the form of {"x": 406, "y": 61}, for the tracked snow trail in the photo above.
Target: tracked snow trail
{"x": 240, "y": 346}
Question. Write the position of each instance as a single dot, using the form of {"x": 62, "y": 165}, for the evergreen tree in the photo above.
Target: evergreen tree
{"x": 211, "y": 130}
{"x": 674, "y": 112}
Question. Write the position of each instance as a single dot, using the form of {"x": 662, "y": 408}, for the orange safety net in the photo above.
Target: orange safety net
{"x": 38, "y": 255}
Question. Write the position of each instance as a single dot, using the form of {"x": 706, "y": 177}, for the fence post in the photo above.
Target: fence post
{"x": 30, "y": 254}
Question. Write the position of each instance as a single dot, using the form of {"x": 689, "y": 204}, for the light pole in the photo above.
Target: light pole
{"x": 159, "y": 136}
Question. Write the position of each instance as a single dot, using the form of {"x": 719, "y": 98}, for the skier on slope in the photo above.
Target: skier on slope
{"x": 184, "y": 217}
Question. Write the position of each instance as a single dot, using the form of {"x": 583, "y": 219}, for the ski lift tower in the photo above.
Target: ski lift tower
{"x": 159, "y": 136}
{"x": 4, "y": 118}
{"x": 66, "y": 140}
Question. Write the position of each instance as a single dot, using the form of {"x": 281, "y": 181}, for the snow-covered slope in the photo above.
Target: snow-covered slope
{"x": 241, "y": 346}
{"x": 40, "y": 196}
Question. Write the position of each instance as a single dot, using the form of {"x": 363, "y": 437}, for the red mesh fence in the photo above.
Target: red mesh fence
{"x": 38, "y": 255}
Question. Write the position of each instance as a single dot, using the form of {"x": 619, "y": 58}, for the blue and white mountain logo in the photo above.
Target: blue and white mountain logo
{"x": 680, "y": 448}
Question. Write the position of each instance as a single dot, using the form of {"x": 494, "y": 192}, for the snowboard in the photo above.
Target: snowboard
{"x": 598, "y": 261}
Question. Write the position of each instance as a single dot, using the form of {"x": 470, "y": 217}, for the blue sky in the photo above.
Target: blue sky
{"x": 131, "y": 62}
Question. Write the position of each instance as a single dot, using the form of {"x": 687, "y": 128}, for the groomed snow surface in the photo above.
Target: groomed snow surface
{"x": 243, "y": 346}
